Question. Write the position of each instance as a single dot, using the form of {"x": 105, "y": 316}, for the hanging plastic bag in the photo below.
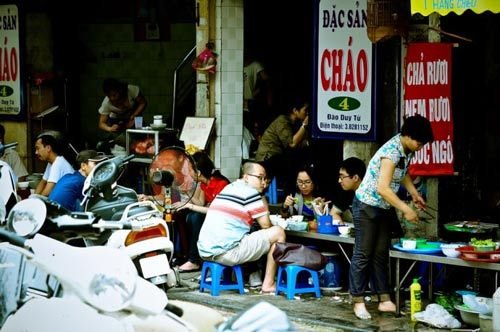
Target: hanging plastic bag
{"x": 206, "y": 60}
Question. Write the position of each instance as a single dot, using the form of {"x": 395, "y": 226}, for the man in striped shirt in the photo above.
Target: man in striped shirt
{"x": 225, "y": 235}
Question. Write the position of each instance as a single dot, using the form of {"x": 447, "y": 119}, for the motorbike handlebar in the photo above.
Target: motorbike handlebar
{"x": 4, "y": 147}
{"x": 128, "y": 158}
{"x": 13, "y": 238}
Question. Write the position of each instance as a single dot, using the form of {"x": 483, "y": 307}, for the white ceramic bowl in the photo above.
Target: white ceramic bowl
{"x": 468, "y": 316}
{"x": 23, "y": 184}
{"x": 344, "y": 229}
{"x": 297, "y": 218}
{"x": 449, "y": 249}
{"x": 409, "y": 244}
{"x": 297, "y": 226}
{"x": 277, "y": 220}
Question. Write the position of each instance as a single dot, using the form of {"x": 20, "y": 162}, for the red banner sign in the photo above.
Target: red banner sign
{"x": 427, "y": 83}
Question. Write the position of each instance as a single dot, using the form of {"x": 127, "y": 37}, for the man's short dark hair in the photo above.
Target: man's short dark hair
{"x": 354, "y": 166}
{"x": 112, "y": 84}
{"x": 53, "y": 138}
{"x": 2, "y": 132}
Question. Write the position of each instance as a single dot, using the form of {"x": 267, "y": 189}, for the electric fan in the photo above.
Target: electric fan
{"x": 173, "y": 172}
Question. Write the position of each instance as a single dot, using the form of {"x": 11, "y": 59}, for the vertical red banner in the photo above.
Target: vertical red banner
{"x": 427, "y": 84}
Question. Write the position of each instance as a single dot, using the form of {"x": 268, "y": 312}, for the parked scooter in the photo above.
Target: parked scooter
{"x": 143, "y": 236}
{"x": 138, "y": 228}
{"x": 100, "y": 291}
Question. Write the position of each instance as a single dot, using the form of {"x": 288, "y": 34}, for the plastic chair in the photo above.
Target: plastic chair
{"x": 221, "y": 278}
{"x": 272, "y": 192}
{"x": 290, "y": 281}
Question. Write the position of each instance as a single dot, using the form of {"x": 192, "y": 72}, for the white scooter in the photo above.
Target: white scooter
{"x": 143, "y": 236}
{"x": 100, "y": 291}
{"x": 138, "y": 228}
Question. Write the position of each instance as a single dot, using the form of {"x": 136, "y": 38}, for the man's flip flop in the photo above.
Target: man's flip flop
{"x": 267, "y": 293}
{"x": 188, "y": 271}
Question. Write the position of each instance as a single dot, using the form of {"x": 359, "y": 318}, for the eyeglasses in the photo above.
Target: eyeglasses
{"x": 261, "y": 178}
{"x": 304, "y": 183}
{"x": 342, "y": 177}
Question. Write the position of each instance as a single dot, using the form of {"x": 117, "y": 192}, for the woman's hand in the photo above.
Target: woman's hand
{"x": 419, "y": 201}
{"x": 142, "y": 197}
{"x": 289, "y": 200}
{"x": 411, "y": 215}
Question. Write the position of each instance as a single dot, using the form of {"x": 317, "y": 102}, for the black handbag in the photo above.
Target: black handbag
{"x": 286, "y": 253}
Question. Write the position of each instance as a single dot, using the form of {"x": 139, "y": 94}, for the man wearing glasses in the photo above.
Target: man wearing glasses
{"x": 225, "y": 235}
{"x": 351, "y": 172}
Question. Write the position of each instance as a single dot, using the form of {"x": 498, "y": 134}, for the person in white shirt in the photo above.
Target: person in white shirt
{"x": 11, "y": 157}
{"x": 123, "y": 102}
{"x": 49, "y": 147}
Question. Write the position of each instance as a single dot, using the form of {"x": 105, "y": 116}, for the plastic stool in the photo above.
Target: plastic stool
{"x": 292, "y": 285}
{"x": 272, "y": 192}
{"x": 221, "y": 278}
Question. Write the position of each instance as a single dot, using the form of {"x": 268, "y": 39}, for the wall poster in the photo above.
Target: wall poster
{"x": 11, "y": 103}
{"x": 427, "y": 84}
{"x": 342, "y": 102}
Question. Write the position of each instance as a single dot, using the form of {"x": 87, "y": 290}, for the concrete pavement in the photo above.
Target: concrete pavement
{"x": 331, "y": 312}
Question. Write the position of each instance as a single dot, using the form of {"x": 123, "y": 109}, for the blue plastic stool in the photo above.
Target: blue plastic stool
{"x": 221, "y": 278}
{"x": 291, "y": 284}
{"x": 272, "y": 192}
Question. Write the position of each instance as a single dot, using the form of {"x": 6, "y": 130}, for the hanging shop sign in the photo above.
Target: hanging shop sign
{"x": 10, "y": 68}
{"x": 444, "y": 7}
{"x": 427, "y": 84}
{"x": 342, "y": 103}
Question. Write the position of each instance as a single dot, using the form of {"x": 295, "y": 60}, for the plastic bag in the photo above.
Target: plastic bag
{"x": 436, "y": 315}
{"x": 287, "y": 253}
{"x": 206, "y": 60}
{"x": 262, "y": 316}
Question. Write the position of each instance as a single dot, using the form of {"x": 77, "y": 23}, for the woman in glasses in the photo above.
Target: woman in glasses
{"x": 300, "y": 203}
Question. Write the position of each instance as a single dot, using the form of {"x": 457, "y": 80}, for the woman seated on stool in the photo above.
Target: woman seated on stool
{"x": 211, "y": 183}
{"x": 301, "y": 202}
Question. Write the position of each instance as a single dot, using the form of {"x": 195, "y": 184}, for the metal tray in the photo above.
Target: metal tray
{"x": 470, "y": 227}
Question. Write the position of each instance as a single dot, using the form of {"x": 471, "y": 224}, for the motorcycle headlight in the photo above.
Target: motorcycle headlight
{"x": 27, "y": 217}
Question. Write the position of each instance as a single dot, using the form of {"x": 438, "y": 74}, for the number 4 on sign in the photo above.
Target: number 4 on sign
{"x": 344, "y": 104}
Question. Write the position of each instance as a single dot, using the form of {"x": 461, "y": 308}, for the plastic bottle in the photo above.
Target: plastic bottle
{"x": 167, "y": 206}
{"x": 415, "y": 298}
{"x": 496, "y": 310}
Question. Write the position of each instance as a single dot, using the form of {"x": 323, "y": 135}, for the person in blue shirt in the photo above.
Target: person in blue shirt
{"x": 68, "y": 190}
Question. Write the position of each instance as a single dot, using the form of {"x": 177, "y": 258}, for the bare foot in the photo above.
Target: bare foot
{"x": 188, "y": 266}
{"x": 387, "y": 306}
{"x": 361, "y": 312}
{"x": 268, "y": 288}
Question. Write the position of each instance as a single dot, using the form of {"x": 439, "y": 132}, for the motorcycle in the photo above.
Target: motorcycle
{"x": 143, "y": 235}
{"x": 113, "y": 216}
{"x": 100, "y": 291}
{"x": 138, "y": 228}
